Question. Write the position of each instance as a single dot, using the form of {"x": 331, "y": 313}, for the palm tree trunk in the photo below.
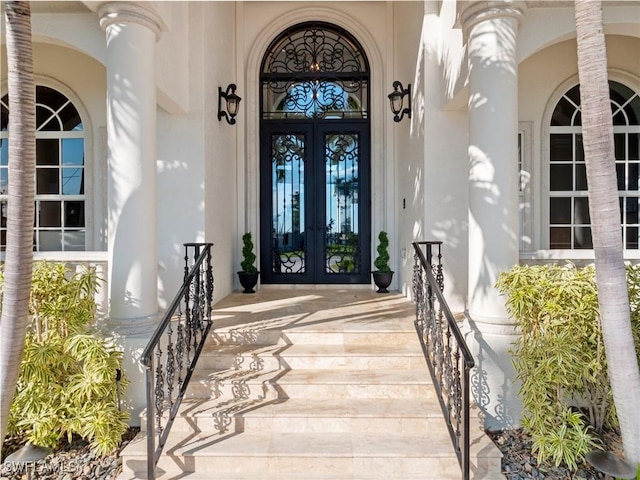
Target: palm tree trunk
{"x": 22, "y": 163}
{"x": 597, "y": 132}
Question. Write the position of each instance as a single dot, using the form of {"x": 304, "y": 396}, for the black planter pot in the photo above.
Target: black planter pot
{"x": 248, "y": 281}
{"x": 382, "y": 280}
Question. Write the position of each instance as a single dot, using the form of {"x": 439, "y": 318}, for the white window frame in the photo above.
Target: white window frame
{"x": 88, "y": 228}
{"x": 541, "y": 249}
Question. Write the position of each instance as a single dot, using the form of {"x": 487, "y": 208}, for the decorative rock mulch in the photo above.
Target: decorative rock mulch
{"x": 518, "y": 463}
{"x": 72, "y": 461}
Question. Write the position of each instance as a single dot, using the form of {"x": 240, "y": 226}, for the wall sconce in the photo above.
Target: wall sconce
{"x": 232, "y": 102}
{"x": 396, "y": 101}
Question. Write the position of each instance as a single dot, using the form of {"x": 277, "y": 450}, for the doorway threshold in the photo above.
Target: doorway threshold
{"x": 316, "y": 286}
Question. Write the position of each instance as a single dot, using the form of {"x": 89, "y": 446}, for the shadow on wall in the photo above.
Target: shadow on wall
{"x": 489, "y": 178}
{"x": 180, "y": 193}
{"x": 493, "y": 404}
{"x": 439, "y": 171}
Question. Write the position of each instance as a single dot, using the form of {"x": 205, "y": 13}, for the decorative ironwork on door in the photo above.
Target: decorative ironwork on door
{"x": 315, "y": 189}
{"x": 288, "y": 169}
{"x": 341, "y": 246}
{"x": 315, "y": 70}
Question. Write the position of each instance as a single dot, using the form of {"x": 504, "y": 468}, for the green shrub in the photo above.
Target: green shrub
{"x": 633, "y": 284}
{"x": 382, "y": 261}
{"x": 347, "y": 264}
{"x": 560, "y": 357}
{"x": 248, "y": 257}
{"x": 67, "y": 382}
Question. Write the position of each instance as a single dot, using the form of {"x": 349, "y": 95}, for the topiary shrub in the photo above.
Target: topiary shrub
{"x": 248, "y": 257}
{"x": 560, "y": 357}
{"x": 67, "y": 384}
{"x": 382, "y": 260}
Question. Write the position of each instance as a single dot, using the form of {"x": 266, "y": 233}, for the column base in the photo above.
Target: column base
{"x": 131, "y": 337}
{"x": 494, "y": 386}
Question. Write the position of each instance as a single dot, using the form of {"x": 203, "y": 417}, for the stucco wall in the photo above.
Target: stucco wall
{"x": 197, "y": 155}
{"x": 446, "y": 162}
{"x": 410, "y": 66}
{"x": 431, "y": 147}
{"x": 172, "y": 57}
{"x": 217, "y": 22}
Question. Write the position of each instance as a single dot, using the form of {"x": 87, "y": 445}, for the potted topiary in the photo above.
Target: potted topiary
{"x": 382, "y": 275}
{"x": 249, "y": 274}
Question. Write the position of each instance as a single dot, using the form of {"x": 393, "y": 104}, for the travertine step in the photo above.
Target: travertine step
{"x": 342, "y": 335}
{"x": 307, "y": 356}
{"x": 311, "y": 385}
{"x": 368, "y": 455}
{"x": 308, "y": 456}
{"x": 411, "y": 416}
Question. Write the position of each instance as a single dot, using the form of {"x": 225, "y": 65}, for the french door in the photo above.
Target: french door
{"x": 315, "y": 202}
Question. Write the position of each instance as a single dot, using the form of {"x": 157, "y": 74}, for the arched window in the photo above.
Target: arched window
{"x": 315, "y": 70}
{"x": 569, "y": 220}
{"x": 59, "y": 223}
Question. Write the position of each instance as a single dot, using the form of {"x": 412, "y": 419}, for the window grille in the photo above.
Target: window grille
{"x": 59, "y": 223}
{"x": 569, "y": 219}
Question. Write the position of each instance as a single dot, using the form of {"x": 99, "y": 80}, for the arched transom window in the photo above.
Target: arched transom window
{"x": 315, "y": 70}
{"x": 569, "y": 220}
{"x": 59, "y": 223}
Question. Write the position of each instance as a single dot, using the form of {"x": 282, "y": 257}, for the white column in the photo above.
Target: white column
{"x": 131, "y": 34}
{"x": 491, "y": 29}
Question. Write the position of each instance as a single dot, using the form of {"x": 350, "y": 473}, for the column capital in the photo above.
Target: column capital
{"x": 479, "y": 11}
{"x": 111, "y": 13}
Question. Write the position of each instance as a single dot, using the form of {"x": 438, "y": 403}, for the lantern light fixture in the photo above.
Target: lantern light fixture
{"x": 232, "y": 103}
{"x": 396, "y": 101}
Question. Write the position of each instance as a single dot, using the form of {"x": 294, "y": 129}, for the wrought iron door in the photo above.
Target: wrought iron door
{"x": 315, "y": 166}
{"x": 315, "y": 204}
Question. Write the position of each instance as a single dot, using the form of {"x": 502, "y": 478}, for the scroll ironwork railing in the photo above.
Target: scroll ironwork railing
{"x": 172, "y": 352}
{"x": 446, "y": 352}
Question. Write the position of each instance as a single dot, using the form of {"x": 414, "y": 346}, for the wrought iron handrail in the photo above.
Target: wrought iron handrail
{"x": 446, "y": 352}
{"x": 168, "y": 372}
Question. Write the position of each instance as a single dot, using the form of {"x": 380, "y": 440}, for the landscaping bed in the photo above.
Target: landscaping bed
{"x": 71, "y": 461}
{"x": 518, "y": 463}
